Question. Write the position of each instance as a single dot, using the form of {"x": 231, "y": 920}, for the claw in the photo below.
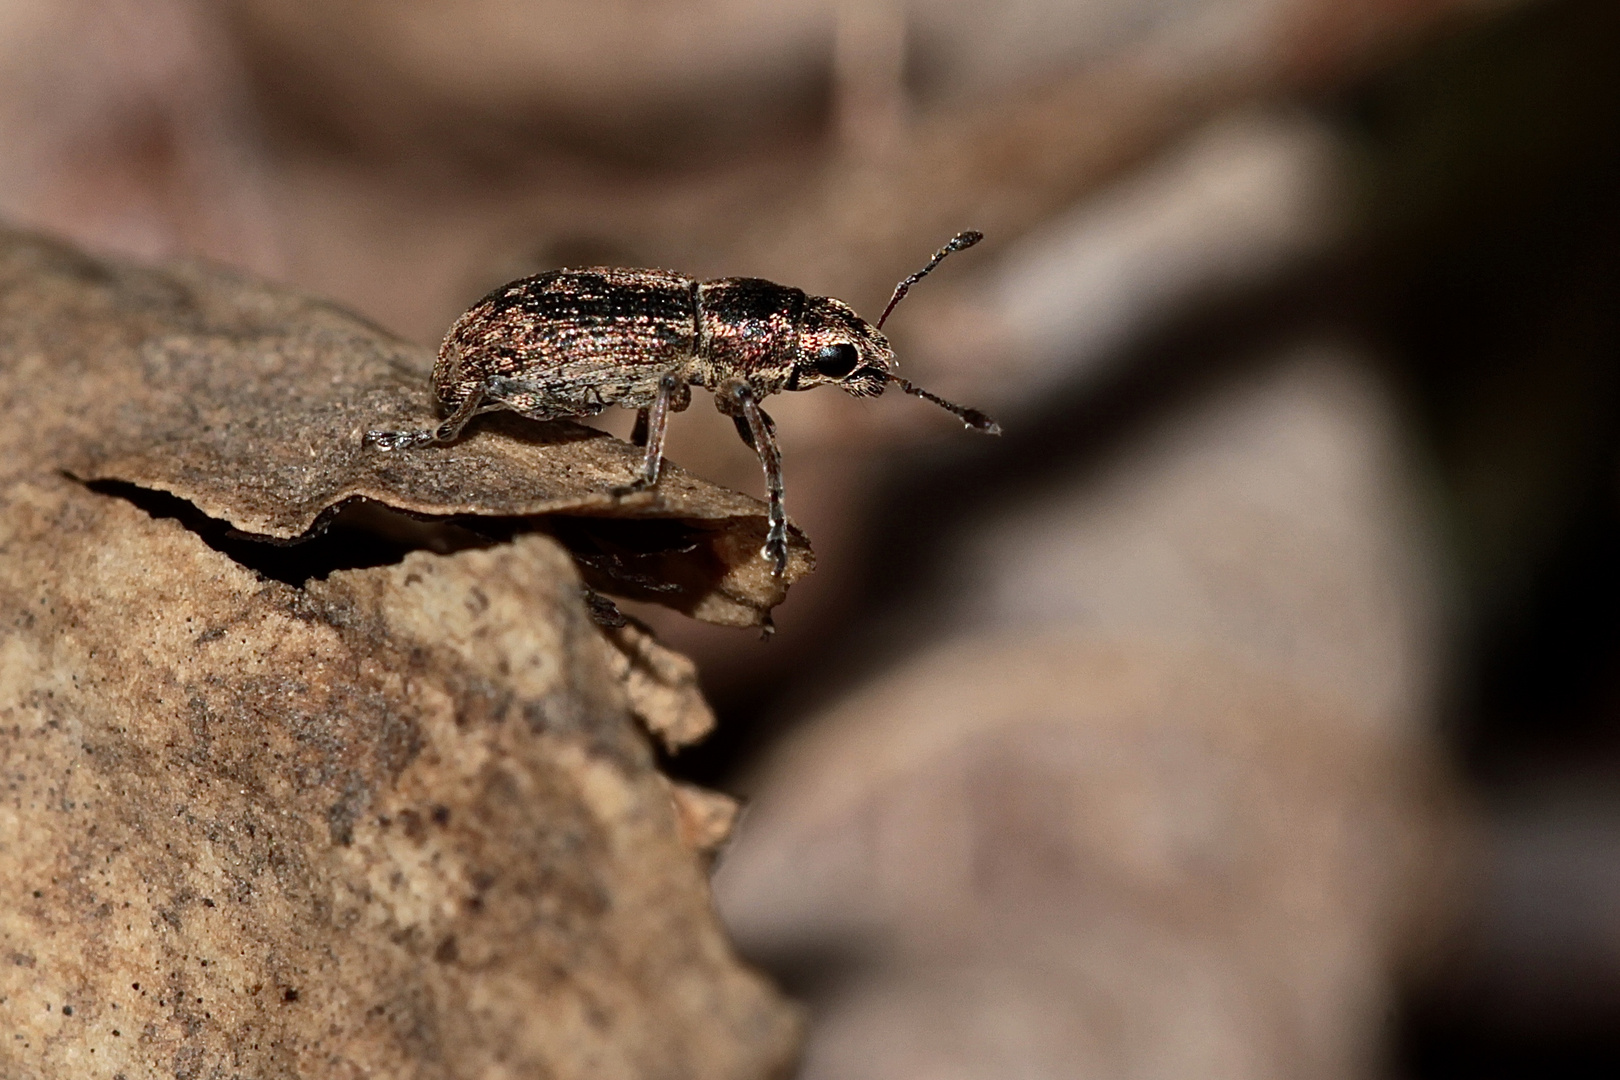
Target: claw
{"x": 396, "y": 440}
{"x": 638, "y": 486}
{"x": 776, "y": 550}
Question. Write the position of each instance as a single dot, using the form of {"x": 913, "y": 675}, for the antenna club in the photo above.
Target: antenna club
{"x": 972, "y": 418}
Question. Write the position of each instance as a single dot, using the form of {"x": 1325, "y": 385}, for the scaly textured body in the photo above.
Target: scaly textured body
{"x": 586, "y": 339}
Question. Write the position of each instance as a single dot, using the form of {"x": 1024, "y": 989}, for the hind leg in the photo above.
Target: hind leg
{"x": 443, "y": 433}
{"x": 496, "y": 392}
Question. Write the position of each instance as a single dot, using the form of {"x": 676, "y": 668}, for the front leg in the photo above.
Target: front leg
{"x": 759, "y": 432}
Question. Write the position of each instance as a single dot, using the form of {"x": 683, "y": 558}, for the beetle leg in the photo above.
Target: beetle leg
{"x": 638, "y": 434}
{"x": 761, "y": 435}
{"x": 444, "y": 433}
{"x": 652, "y": 425}
{"x": 451, "y": 428}
{"x": 747, "y": 435}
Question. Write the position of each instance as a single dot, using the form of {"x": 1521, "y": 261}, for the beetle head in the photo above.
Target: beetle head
{"x": 838, "y": 347}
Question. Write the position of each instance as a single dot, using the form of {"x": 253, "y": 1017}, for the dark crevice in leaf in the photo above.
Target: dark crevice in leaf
{"x": 666, "y": 560}
{"x": 358, "y": 534}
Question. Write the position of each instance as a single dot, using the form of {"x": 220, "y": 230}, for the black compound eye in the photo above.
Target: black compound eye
{"x": 837, "y": 361}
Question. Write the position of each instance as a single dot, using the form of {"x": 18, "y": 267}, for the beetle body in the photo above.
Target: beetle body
{"x": 570, "y": 343}
{"x": 581, "y": 340}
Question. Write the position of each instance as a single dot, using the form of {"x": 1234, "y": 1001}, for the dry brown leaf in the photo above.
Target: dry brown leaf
{"x": 662, "y": 686}
{"x": 707, "y": 817}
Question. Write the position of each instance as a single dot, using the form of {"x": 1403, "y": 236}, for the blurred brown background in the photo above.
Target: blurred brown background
{"x": 1249, "y": 708}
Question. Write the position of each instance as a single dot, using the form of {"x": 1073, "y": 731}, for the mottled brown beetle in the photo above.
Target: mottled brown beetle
{"x": 572, "y": 342}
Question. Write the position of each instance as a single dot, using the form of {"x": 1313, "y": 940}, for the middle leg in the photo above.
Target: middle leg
{"x": 652, "y": 424}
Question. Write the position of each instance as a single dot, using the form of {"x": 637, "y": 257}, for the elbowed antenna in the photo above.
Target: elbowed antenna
{"x": 973, "y": 418}
{"x": 961, "y": 241}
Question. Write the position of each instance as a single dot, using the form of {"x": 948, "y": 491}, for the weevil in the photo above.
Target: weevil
{"x": 570, "y": 343}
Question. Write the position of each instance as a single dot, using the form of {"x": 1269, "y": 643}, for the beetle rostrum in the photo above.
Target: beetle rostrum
{"x": 570, "y": 343}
